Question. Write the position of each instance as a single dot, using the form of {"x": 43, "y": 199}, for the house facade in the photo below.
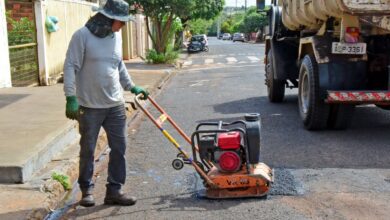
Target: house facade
{"x": 34, "y": 56}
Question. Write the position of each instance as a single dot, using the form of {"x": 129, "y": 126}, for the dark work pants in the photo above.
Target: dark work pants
{"x": 113, "y": 121}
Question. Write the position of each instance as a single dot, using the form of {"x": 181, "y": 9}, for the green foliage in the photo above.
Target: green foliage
{"x": 152, "y": 56}
{"x": 213, "y": 29}
{"x": 185, "y": 9}
{"x": 251, "y": 23}
{"x": 205, "y": 9}
{"x": 163, "y": 13}
{"x": 63, "y": 179}
{"x": 22, "y": 31}
{"x": 227, "y": 26}
{"x": 200, "y": 26}
{"x": 170, "y": 56}
{"x": 246, "y": 22}
{"x": 176, "y": 27}
{"x": 251, "y": 10}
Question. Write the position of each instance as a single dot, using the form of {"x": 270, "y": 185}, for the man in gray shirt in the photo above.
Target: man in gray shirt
{"x": 94, "y": 79}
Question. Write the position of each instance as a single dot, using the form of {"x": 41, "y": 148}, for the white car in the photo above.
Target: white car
{"x": 226, "y": 36}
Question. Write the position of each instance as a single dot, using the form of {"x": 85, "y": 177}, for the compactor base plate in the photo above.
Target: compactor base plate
{"x": 240, "y": 184}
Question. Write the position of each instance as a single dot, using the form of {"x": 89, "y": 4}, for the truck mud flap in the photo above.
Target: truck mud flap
{"x": 285, "y": 54}
{"x": 338, "y": 76}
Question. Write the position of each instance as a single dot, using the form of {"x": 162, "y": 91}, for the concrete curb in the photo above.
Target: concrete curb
{"x": 55, "y": 192}
{"x": 52, "y": 144}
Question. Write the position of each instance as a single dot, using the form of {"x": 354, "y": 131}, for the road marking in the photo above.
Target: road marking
{"x": 188, "y": 63}
{"x": 231, "y": 59}
{"x": 222, "y": 67}
{"x": 209, "y": 61}
{"x": 253, "y": 59}
{"x": 199, "y": 83}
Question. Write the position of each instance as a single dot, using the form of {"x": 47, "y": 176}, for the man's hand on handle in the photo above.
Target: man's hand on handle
{"x": 138, "y": 90}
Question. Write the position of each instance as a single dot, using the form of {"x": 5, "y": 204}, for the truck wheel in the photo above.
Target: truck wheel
{"x": 275, "y": 88}
{"x": 340, "y": 116}
{"x": 313, "y": 110}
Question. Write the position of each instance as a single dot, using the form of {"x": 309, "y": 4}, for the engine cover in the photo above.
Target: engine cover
{"x": 229, "y": 140}
{"x": 228, "y": 161}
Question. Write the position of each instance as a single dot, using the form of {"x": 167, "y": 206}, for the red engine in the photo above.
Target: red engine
{"x": 228, "y": 156}
{"x": 231, "y": 146}
{"x": 224, "y": 150}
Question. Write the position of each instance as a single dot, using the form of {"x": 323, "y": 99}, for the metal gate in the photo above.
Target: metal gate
{"x": 22, "y": 42}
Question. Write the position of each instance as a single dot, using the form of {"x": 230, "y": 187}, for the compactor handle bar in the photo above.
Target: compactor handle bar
{"x": 159, "y": 121}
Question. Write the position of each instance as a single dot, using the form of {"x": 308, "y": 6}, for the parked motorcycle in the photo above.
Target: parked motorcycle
{"x": 198, "y": 44}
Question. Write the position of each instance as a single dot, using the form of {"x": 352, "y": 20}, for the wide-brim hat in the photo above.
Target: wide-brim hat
{"x": 115, "y": 9}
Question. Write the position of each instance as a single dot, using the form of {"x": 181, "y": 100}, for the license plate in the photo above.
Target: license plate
{"x": 347, "y": 48}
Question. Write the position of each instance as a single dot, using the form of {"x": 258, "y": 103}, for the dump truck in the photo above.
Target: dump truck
{"x": 336, "y": 52}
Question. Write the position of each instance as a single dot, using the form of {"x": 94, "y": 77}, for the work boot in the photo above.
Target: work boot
{"x": 87, "y": 199}
{"x": 118, "y": 198}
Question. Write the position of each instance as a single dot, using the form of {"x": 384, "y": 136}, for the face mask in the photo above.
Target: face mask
{"x": 100, "y": 25}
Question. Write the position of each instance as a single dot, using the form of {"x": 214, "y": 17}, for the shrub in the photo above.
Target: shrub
{"x": 63, "y": 179}
{"x": 22, "y": 31}
{"x": 153, "y": 57}
{"x": 170, "y": 56}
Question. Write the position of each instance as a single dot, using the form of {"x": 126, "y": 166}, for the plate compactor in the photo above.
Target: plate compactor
{"x": 225, "y": 155}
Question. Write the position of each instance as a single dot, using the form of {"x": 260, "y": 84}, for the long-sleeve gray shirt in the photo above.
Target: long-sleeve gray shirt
{"x": 94, "y": 70}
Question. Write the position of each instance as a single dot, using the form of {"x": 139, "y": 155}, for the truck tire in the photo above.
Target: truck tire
{"x": 313, "y": 110}
{"x": 275, "y": 88}
{"x": 340, "y": 116}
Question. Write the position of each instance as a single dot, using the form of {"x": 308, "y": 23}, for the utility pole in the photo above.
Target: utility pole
{"x": 219, "y": 26}
{"x": 245, "y": 4}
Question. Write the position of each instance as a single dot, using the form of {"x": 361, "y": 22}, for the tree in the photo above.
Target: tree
{"x": 251, "y": 23}
{"x": 204, "y": 9}
{"x": 163, "y": 13}
{"x": 245, "y": 22}
{"x": 200, "y": 26}
{"x": 227, "y": 26}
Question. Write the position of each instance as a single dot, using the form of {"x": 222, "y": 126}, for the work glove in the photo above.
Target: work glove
{"x": 72, "y": 107}
{"x": 138, "y": 90}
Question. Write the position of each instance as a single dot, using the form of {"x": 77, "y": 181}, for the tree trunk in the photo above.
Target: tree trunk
{"x": 161, "y": 37}
{"x": 165, "y": 32}
{"x": 178, "y": 40}
{"x": 150, "y": 32}
{"x": 159, "y": 46}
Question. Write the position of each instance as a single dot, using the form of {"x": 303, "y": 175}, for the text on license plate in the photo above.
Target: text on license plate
{"x": 347, "y": 48}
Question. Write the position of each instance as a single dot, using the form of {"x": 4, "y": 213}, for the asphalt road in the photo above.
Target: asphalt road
{"x": 320, "y": 175}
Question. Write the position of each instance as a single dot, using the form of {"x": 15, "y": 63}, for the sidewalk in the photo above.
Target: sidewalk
{"x": 36, "y": 139}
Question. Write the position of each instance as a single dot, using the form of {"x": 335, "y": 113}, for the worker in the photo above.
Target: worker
{"x": 94, "y": 79}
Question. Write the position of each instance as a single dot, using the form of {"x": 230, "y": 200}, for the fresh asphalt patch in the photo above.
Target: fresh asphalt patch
{"x": 285, "y": 184}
